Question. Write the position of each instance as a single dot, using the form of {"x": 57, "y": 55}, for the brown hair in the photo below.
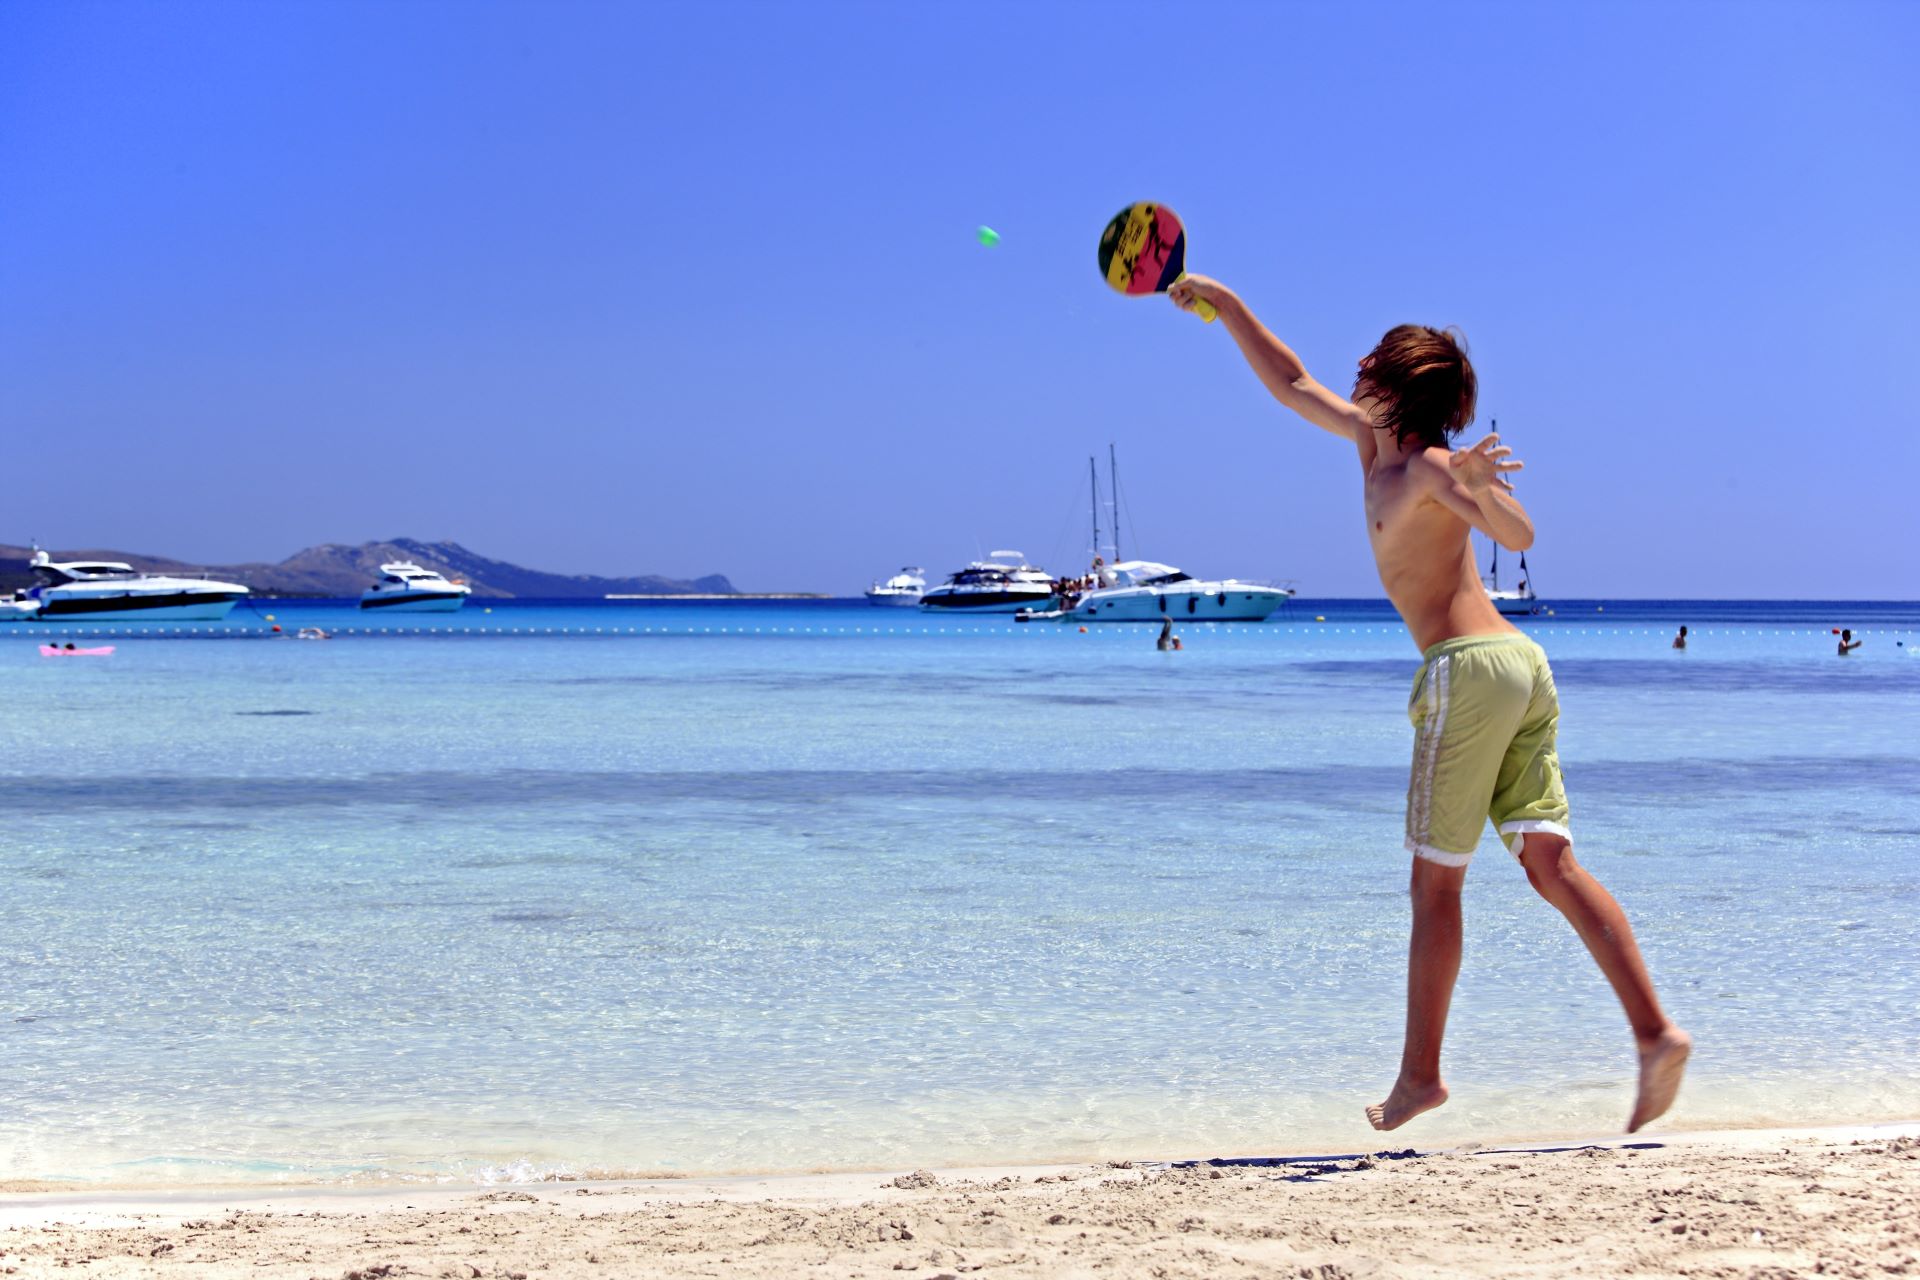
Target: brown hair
{"x": 1423, "y": 383}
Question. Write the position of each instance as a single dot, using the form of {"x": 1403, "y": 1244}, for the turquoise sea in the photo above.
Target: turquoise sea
{"x": 788, "y": 885}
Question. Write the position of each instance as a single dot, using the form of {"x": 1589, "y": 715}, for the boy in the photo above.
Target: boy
{"x": 1484, "y": 707}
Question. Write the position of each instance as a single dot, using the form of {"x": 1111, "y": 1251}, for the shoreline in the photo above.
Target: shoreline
{"x": 501, "y": 1173}
{"x": 1760, "y": 1202}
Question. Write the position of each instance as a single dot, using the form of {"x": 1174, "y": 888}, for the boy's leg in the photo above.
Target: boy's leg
{"x": 1597, "y": 918}
{"x": 1433, "y": 962}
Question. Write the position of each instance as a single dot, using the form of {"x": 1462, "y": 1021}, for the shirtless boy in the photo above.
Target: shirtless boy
{"x": 1484, "y": 708}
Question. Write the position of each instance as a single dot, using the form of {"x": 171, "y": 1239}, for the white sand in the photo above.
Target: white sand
{"x": 1757, "y": 1204}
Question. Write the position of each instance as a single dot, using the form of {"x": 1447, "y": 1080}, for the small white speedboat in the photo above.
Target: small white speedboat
{"x": 902, "y": 590}
{"x": 405, "y": 587}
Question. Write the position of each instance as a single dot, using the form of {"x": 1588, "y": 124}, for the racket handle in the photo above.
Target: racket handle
{"x": 1201, "y": 308}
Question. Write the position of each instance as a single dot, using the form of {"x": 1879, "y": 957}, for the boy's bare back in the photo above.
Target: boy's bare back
{"x": 1422, "y": 551}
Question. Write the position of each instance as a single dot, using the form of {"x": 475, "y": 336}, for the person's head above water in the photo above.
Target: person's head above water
{"x": 1421, "y": 384}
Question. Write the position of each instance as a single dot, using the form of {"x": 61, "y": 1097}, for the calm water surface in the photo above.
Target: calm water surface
{"x": 774, "y": 886}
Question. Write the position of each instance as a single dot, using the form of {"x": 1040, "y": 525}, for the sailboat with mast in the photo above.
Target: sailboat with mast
{"x": 1146, "y": 590}
{"x": 1512, "y": 602}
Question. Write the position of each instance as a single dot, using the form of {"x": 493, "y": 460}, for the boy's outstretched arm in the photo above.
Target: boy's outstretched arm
{"x": 1472, "y": 483}
{"x": 1276, "y": 364}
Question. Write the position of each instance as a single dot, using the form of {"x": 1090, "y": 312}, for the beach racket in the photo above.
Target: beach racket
{"x": 1144, "y": 250}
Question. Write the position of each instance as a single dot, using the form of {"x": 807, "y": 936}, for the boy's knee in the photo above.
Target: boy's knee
{"x": 1436, "y": 885}
{"x": 1548, "y": 860}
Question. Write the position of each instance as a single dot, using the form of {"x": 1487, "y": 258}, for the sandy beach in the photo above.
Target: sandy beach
{"x": 1756, "y": 1204}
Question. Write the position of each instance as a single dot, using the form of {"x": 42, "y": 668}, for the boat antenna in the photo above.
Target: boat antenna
{"x": 1093, "y": 488}
{"x": 1113, "y": 474}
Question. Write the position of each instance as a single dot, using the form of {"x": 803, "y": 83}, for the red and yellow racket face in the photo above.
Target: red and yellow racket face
{"x": 1144, "y": 249}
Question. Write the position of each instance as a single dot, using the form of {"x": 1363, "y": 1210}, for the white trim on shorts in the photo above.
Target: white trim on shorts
{"x": 1532, "y": 826}
{"x": 1444, "y": 857}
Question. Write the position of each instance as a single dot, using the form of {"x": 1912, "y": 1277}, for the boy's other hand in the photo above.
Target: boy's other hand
{"x": 1189, "y": 290}
{"x": 1480, "y": 467}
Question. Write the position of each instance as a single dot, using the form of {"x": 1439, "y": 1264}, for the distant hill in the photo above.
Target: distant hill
{"x": 333, "y": 569}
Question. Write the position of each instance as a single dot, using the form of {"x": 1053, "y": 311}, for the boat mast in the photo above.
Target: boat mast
{"x": 1113, "y": 474}
{"x": 1493, "y": 424}
{"x": 1093, "y": 489}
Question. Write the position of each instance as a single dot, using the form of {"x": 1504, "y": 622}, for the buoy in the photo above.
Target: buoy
{"x": 1319, "y": 617}
{"x": 1083, "y": 631}
{"x": 276, "y": 626}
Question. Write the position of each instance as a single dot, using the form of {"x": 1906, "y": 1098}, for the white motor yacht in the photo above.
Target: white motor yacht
{"x": 902, "y": 590}
{"x": 108, "y": 591}
{"x": 1144, "y": 591}
{"x": 1002, "y": 583}
{"x": 405, "y": 587}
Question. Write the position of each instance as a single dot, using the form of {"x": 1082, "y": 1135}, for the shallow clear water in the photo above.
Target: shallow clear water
{"x": 795, "y": 885}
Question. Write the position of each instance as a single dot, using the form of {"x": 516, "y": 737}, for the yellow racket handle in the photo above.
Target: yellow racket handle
{"x": 1201, "y": 307}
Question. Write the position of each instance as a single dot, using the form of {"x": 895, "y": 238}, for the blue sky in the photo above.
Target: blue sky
{"x": 693, "y": 288}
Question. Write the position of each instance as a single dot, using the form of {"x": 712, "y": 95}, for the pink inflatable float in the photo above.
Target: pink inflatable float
{"x": 55, "y": 651}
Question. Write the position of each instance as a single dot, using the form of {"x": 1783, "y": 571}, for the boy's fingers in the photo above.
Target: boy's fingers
{"x": 1515, "y": 465}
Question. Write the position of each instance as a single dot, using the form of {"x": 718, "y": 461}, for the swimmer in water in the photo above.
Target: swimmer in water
{"x": 1484, "y": 708}
{"x": 1680, "y": 641}
{"x": 1847, "y": 643}
{"x": 1166, "y": 642}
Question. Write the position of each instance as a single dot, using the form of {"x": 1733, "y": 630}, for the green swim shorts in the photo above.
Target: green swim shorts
{"x": 1484, "y": 715}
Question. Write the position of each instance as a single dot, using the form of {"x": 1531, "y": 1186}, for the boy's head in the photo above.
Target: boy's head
{"x": 1421, "y": 384}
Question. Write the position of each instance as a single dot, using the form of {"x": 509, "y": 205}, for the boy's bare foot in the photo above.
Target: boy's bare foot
{"x": 1663, "y": 1060}
{"x": 1405, "y": 1102}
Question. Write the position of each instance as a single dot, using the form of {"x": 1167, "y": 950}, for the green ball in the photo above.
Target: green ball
{"x": 987, "y": 236}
